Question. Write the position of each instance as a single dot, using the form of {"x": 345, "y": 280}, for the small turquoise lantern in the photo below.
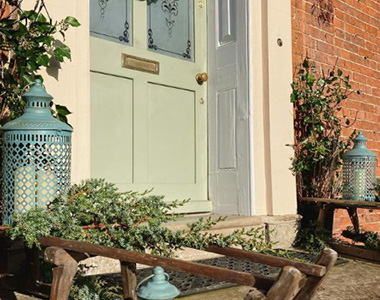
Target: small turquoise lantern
{"x": 359, "y": 171}
{"x": 36, "y": 156}
{"x": 158, "y": 288}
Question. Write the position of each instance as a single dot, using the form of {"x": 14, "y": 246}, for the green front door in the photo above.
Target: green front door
{"x": 148, "y": 113}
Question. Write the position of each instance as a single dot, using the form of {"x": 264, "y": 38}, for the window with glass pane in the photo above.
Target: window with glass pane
{"x": 111, "y": 20}
{"x": 171, "y": 27}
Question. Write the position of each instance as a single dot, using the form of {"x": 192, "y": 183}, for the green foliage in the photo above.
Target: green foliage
{"x": 313, "y": 238}
{"x": 96, "y": 212}
{"x": 94, "y": 288}
{"x": 317, "y": 100}
{"x": 377, "y": 190}
{"x": 27, "y": 44}
{"x": 370, "y": 239}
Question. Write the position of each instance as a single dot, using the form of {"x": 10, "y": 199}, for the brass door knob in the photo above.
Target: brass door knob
{"x": 201, "y": 77}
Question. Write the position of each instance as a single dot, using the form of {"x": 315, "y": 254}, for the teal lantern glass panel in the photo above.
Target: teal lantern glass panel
{"x": 111, "y": 20}
{"x": 36, "y": 166}
{"x": 171, "y": 28}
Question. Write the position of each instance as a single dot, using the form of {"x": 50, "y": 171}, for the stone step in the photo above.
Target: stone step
{"x": 283, "y": 230}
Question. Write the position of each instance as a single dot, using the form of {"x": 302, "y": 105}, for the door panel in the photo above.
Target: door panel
{"x": 111, "y": 120}
{"x": 165, "y": 124}
{"x": 229, "y": 136}
{"x": 226, "y": 130}
{"x": 171, "y": 135}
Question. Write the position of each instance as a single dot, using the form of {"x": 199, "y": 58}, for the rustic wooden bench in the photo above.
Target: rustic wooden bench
{"x": 297, "y": 280}
{"x": 326, "y": 218}
{"x": 327, "y": 207}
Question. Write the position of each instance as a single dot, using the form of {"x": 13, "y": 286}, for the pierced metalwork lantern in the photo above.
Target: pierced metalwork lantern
{"x": 359, "y": 171}
{"x": 158, "y": 288}
{"x": 36, "y": 156}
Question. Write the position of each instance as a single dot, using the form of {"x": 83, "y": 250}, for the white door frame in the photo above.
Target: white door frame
{"x": 249, "y": 207}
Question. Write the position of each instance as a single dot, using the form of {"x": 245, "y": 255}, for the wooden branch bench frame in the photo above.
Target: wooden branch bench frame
{"x": 327, "y": 207}
{"x": 297, "y": 281}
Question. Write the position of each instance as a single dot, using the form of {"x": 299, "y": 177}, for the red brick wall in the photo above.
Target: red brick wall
{"x": 369, "y": 220}
{"x": 349, "y": 32}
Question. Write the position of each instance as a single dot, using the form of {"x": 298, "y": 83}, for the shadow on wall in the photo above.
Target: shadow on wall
{"x": 54, "y": 64}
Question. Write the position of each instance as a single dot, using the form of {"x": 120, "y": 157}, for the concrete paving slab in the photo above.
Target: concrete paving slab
{"x": 352, "y": 281}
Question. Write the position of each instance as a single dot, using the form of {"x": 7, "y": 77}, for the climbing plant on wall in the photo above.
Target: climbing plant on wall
{"x": 324, "y": 11}
{"x": 28, "y": 43}
{"x": 318, "y": 122}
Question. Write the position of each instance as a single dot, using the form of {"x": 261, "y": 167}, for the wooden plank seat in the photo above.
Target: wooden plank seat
{"x": 296, "y": 281}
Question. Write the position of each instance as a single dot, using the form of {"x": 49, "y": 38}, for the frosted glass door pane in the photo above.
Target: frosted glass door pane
{"x": 171, "y": 27}
{"x": 111, "y": 20}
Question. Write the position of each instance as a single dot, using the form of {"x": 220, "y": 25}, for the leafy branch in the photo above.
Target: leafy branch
{"x": 95, "y": 211}
{"x": 318, "y": 147}
{"x": 27, "y": 44}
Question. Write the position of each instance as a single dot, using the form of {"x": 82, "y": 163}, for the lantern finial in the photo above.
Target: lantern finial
{"x": 158, "y": 288}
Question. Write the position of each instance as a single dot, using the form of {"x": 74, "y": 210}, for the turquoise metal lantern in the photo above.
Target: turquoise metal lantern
{"x": 158, "y": 288}
{"x": 36, "y": 156}
{"x": 359, "y": 171}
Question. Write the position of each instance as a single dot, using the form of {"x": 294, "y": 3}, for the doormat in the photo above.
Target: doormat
{"x": 189, "y": 284}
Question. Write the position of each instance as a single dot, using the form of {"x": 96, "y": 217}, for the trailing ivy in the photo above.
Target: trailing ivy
{"x": 28, "y": 43}
{"x": 318, "y": 122}
{"x": 96, "y": 212}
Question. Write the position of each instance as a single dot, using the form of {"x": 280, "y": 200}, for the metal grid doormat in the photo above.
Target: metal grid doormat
{"x": 191, "y": 284}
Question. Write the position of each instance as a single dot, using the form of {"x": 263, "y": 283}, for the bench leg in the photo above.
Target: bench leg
{"x": 327, "y": 258}
{"x": 128, "y": 277}
{"x": 287, "y": 285}
{"x": 326, "y": 216}
{"x": 63, "y": 273}
{"x": 33, "y": 264}
{"x": 353, "y": 213}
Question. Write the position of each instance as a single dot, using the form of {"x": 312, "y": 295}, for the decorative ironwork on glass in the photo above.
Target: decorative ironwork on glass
{"x": 150, "y": 40}
{"x": 125, "y": 36}
{"x": 102, "y": 5}
{"x": 112, "y": 21}
{"x": 188, "y": 49}
{"x": 171, "y": 8}
{"x": 171, "y": 27}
